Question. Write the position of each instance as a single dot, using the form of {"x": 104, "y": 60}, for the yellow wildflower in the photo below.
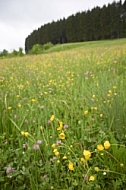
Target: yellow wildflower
{"x": 64, "y": 158}
{"x": 121, "y": 165}
{"x": 107, "y": 144}
{"x": 61, "y": 126}
{"x": 87, "y": 154}
{"x": 53, "y": 145}
{"x": 9, "y": 108}
{"x": 70, "y": 166}
{"x": 26, "y": 134}
{"x": 52, "y": 118}
{"x": 56, "y": 153}
{"x": 62, "y": 136}
{"x": 33, "y": 100}
{"x": 101, "y": 115}
{"x": 114, "y": 87}
{"x": 91, "y": 178}
{"x": 86, "y": 112}
{"x": 96, "y": 169}
{"x": 22, "y": 133}
{"x": 82, "y": 160}
{"x": 100, "y": 147}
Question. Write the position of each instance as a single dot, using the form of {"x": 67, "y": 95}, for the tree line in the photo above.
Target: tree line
{"x": 108, "y": 22}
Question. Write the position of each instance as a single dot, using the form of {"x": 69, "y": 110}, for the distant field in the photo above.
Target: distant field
{"x": 63, "y": 118}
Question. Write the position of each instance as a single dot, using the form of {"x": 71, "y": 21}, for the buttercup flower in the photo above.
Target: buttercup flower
{"x": 100, "y": 147}
{"x": 87, "y": 154}
{"x": 107, "y": 144}
{"x": 61, "y": 126}
{"x": 53, "y": 145}
{"x": 91, "y": 178}
{"x": 96, "y": 169}
{"x": 62, "y": 136}
{"x": 52, "y": 118}
{"x": 70, "y": 166}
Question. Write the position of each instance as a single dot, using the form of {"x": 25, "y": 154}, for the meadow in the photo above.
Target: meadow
{"x": 63, "y": 118}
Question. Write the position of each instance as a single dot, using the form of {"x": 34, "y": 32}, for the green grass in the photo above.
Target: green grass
{"x": 56, "y": 105}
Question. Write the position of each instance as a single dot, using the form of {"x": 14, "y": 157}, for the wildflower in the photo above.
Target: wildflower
{"x": 87, "y": 154}
{"x": 52, "y": 118}
{"x": 49, "y": 122}
{"x": 25, "y": 145}
{"x": 26, "y": 134}
{"x": 93, "y": 96}
{"x": 33, "y": 100}
{"x": 121, "y": 165}
{"x": 9, "y": 108}
{"x": 96, "y": 169}
{"x": 53, "y": 145}
{"x": 107, "y": 144}
{"x": 17, "y": 95}
{"x": 56, "y": 153}
{"x": 61, "y": 126}
{"x": 82, "y": 160}
{"x": 70, "y": 166}
{"x": 22, "y": 133}
{"x": 100, "y": 147}
{"x": 62, "y": 136}
{"x": 91, "y": 178}
{"x": 114, "y": 87}
{"x": 101, "y": 115}
{"x": 64, "y": 158}
{"x": 35, "y": 146}
{"x": 58, "y": 142}
{"x": 19, "y": 105}
{"x": 85, "y": 112}
{"x": 39, "y": 142}
{"x": 65, "y": 126}
{"x": 9, "y": 170}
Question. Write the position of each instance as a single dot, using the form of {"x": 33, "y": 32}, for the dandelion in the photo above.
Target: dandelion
{"x": 52, "y": 118}
{"x": 100, "y": 147}
{"x": 87, "y": 154}
{"x": 91, "y": 178}
{"x": 70, "y": 166}
{"x": 62, "y": 136}
{"x": 107, "y": 144}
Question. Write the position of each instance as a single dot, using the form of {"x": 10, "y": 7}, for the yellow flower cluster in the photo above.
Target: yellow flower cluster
{"x": 106, "y": 145}
{"x": 23, "y": 133}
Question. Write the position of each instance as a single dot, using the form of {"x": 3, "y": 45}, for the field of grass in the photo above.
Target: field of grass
{"x": 63, "y": 118}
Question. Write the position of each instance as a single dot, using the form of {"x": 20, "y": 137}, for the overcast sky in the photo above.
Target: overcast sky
{"x": 18, "y": 18}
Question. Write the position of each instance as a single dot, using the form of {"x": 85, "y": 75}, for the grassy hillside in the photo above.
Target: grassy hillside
{"x": 63, "y": 118}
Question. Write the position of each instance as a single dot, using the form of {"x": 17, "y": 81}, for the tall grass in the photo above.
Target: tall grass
{"x": 63, "y": 119}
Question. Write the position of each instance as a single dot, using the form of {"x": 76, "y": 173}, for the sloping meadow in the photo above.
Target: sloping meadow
{"x": 63, "y": 119}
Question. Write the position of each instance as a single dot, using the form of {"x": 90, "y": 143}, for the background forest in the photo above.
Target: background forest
{"x": 108, "y": 22}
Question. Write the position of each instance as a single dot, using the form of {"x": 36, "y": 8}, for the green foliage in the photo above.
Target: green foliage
{"x": 62, "y": 121}
{"x": 38, "y": 48}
